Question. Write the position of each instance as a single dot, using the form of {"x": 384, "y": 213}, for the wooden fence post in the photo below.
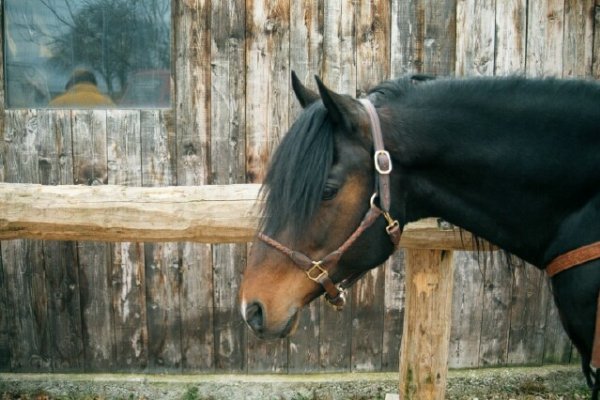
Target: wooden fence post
{"x": 424, "y": 350}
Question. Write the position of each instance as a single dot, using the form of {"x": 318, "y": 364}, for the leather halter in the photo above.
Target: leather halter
{"x": 317, "y": 271}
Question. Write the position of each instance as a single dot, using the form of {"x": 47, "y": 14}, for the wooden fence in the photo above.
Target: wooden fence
{"x": 132, "y": 306}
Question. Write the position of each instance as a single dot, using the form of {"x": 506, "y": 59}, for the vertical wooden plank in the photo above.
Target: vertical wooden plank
{"x": 394, "y": 302}
{"x": 424, "y": 361}
{"x": 267, "y": 81}
{"x": 545, "y": 37}
{"x": 159, "y": 148}
{"x": 558, "y": 348}
{"x": 367, "y": 322}
{"x": 495, "y": 321}
{"x": 373, "y": 32}
{"x": 466, "y": 311}
{"x": 192, "y": 27}
{"x": 596, "y": 45}
{"x": 510, "y": 53}
{"x": 5, "y": 318}
{"x": 475, "y": 37}
{"x": 306, "y": 42}
{"x": 21, "y": 156}
{"x": 23, "y": 259}
{"x": 90, "y": 165}
{"x": 128, "y": 302}
{"x": 5, "y": 351}
{"x": 306, "y": 56}
{"x": 511, "y": 31}
{"x": 406, "y": 55}
{"x": 192, "y": 81}
{"x": 62, "y": 283}
{"x": 578, "y": 39}
{"x": 162, "y": 260}
{"x": 475, "y": 42}
{"x": 2, "y": 96}
{"x": 372, "y": 66}
{"x": 230, "y": 330}
{"x": 162, "y": 266}
{"x": 339, "y": 46}
{"x": 127, "y": 273}
{"x": 423, "y": 36}
{"x": 124, "y": 148}
{"x": 27, "y": 306}
{"x": 528, "y": 316}
{"x": 62, "y": 275}
{"x": 228, "y": 165}
{"x": 267, "y": 94}
{"x": 89, "y": 161}
{"x": 339, "y": 73}
{"x": 196, "y": 302}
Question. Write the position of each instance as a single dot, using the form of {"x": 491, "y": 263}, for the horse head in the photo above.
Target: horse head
{"x": 321, "y": 222}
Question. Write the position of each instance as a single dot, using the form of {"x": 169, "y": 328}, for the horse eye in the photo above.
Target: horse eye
{"x": 329, "y": 192}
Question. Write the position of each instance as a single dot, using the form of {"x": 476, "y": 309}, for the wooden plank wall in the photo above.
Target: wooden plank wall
{"x": 171, "y": 307}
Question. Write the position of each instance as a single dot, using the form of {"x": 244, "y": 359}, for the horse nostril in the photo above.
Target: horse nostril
{"x": 254, "y": 317}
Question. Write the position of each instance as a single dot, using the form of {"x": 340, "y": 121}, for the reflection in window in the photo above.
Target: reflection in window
{"x": 87, "y": 53}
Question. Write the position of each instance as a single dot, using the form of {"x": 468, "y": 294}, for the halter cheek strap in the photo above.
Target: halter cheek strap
{"x": 317, "y": 271}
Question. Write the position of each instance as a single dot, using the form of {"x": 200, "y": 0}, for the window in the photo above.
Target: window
{"x": 87, "y": 53}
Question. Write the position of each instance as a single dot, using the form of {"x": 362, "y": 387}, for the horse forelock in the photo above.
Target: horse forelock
{"x": 297, "y": 173}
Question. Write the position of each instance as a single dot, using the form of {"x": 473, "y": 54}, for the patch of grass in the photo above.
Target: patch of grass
{"x": 193, "y": 393}
{"x": 533, "y": 386}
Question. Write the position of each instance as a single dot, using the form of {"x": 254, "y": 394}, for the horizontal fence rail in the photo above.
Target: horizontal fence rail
{"x": 206, "y": 214}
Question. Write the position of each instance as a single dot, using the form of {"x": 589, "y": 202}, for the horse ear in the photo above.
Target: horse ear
{"x": 342, "y": 109}
{"x": 304, "y": 95}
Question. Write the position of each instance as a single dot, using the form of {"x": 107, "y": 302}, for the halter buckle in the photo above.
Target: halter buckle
{"x": 383, "y": 171}
{"x": 316, "y": 272}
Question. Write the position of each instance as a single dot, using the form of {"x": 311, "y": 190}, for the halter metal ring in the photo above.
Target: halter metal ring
{"x": 372, "y": 201}
{"x": 383, "y": 171}
{"x": 393, "y": 225}
{"x": 316, "y": 272}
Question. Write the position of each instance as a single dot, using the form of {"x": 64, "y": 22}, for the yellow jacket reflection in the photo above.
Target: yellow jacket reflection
{"x": 82, "y": 92}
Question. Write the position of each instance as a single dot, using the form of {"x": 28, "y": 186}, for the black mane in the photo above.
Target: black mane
{"x": 298, "y": 172}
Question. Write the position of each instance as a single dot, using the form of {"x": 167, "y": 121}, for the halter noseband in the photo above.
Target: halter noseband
{"x": 317, "y": 271}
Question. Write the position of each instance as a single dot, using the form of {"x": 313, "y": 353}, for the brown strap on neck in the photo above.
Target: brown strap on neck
{"x": 573, "y": 258}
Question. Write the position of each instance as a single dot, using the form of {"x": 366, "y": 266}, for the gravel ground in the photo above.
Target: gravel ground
{"x": 548, "y": 382}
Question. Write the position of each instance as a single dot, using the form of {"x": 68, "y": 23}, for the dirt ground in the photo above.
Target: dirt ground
{"x": 548, "y": 382}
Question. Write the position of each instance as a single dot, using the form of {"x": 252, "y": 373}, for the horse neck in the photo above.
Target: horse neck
{"x": 482, "y": 173}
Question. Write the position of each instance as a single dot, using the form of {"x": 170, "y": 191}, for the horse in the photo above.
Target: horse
{"x": 513, "y": 160}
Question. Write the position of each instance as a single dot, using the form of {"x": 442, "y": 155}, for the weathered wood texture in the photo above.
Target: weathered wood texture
{"x": 167, "y": 306}
{"x": 424, "y": 365}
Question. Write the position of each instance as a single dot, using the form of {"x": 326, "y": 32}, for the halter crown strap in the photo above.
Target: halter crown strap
{"x": 381, "y": 158}
{"x": 383, "y": 166}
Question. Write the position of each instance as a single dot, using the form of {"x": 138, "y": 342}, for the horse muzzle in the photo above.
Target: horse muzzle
{"x": 256, "y": 317}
